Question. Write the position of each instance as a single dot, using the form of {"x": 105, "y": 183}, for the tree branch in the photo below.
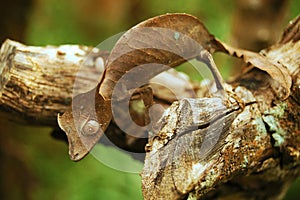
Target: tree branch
{"x": 256, "y": 155}
{"x": 37, "y": 83}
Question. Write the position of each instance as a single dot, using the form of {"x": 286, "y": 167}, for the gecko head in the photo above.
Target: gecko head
{"x": 85, "y": 123}
{"x": 77, "y": 150}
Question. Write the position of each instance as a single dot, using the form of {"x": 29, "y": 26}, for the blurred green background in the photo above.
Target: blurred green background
{"x": 36, "y": 166}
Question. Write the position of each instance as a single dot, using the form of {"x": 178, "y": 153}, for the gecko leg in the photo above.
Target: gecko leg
{"x": 207, "y": 58}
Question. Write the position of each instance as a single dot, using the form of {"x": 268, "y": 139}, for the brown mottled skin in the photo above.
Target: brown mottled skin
{"x": 85, "y": 123}
{"x": 167, "y": 40}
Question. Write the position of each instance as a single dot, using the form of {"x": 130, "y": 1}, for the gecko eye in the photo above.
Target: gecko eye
{"x": 91, "y": 127}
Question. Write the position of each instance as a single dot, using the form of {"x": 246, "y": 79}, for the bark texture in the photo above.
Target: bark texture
{"x": 37, "y": 83}
{"x": 200, "y": 152}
